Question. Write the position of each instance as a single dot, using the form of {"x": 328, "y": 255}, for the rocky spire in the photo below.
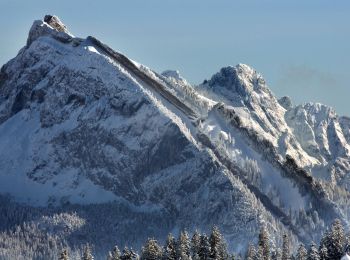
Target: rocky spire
{"x": 51, "y": 26}
{"x": 56, "y": 23}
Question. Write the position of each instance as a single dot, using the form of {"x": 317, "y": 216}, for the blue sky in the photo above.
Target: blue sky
{"x": 302, "y": 48}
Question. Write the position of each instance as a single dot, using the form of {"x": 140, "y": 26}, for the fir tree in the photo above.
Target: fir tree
{"x": 169, "y": 251}
{"x": 87, "y": 254}
{"x": 64, "y": 255}
{"x": 151, "y": 250}
{"x": 128, "y": 254}
{"x": 115, "y": 254}
{"x": 251, "y": 253}
{"x": 347, "y": 244}
{"x": 264, "y": 243}
{"x": 259, "y": 253}
{"x": 277, "y": 254}
{"x": 285, "y": 247}
{"x": 301, "y": 253}
{"x": 334, "y": 240}
{"x": 218, "y": 248}
{"x": 323, "y": 253}
{"x": 313, "y": 252}
{"x": 183, "y": 246}
{"x": 195, "y": 245}
{"x": 204, "y": 248}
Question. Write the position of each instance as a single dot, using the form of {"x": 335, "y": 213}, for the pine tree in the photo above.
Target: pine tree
{"x": 204, "y": 248}
{"x": 259, "y": 253}
{"x": 151, "y": 250}
{"x": 64, "y": 255}
{"x": 195, "y": 245}
{"x": 218, "y": 247}
{"x": 323, "y": 253}
{"x": 128, "y": 254}
{"x": 347, "y": 244}
{"x": 195, "y": 257}
{"x": 183, "y": 246}
{"x": 264, "y": 243}
{"x": 301, "y": 253}
{"x": 277, "y": 254}
{"x": 169, "y": 251}
{"x": 313, "y": 252}
{"x": 251, "y": 253}
{"x": 334, "y": 241}
{"x": 87, "y": 254}
{"x": 285, "y": 247}
{"x": 115, "y": 254}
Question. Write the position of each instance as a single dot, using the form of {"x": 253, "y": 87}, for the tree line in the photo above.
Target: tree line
{"x": 333, "y": 245}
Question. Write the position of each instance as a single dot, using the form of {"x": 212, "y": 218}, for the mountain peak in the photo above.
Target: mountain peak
{"x": 56, "y": 23}
{"x": 286, "y": 102}
{"x": 50, "y": 26}
{"x": 236, "y": 83}
{"x": 175, "y": 74}
{"x": 244, "y": 68}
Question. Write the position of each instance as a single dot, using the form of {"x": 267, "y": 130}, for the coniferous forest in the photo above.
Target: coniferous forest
{"x": 200, "y": 246}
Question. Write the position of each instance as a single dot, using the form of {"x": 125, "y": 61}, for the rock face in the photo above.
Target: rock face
{"x": 312, "y": 134}
{"x": 78, "y": 126}
{"x": 55, "y": 23}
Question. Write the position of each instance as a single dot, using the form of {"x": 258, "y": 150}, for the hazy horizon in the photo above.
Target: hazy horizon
{"x": 301, "y": 48}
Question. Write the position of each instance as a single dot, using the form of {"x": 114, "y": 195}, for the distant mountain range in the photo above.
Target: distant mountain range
{"x": 92, "y": 142}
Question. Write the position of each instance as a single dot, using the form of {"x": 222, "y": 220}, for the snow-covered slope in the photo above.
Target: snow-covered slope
{"x": 312, "y": 134}
{"x": 81, "y": 123}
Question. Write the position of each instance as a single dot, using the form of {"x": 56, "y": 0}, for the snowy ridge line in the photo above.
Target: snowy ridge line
{"x": 159, "y": 88}
{"x": 131, "y": 67}
{"x": 288, "y": 168}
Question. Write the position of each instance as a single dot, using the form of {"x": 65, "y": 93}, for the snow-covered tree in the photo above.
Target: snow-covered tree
{"x": 285, "y": 247}
{"x": 251, "y": 253}
{"x": 334, "y": 240}
{"x": 264, "y": 243}
{"x": 323, "y": 253}
{"x": 128, "y": 254}
{"x": 151, "y": 250}
{"x": 114, "y": 254}
{"x": 184, "y": 246}
{"x": 169, "y": 251}
{"x": 195, "y": 245}
{"x": 313, "y": 252}
{"x": 218, "y": 247}
{"x": 204, "y": 248}
{"x": 276, "y": 254}
{"x": 259, "y": 253}
{"x": 301, "y": 253}
{"x": 64, "y": 255}
{"x": 336, "y": 247}
{"x": 87, "y": 254}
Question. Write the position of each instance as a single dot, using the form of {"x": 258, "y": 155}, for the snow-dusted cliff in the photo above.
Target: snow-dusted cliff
{"x": 82, "y": 124}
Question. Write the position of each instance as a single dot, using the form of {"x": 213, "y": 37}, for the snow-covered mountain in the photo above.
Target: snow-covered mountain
{"x": 82, "y": 127}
